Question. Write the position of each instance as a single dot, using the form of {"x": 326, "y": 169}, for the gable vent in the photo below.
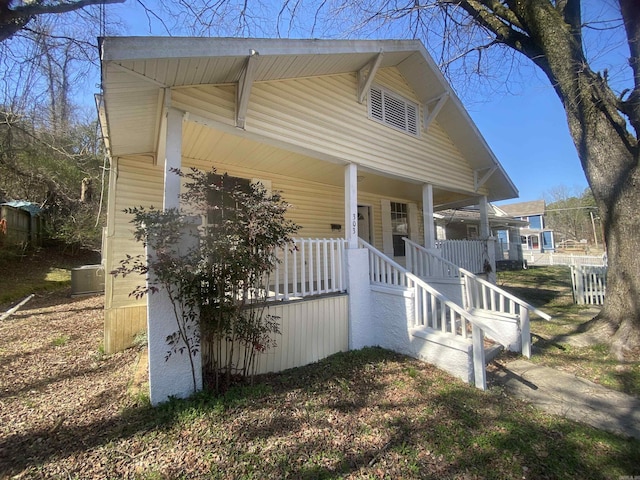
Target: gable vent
{"x": 393, "y": 110}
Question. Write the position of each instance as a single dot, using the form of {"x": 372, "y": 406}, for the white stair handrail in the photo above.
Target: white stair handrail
{"x": 424, "y": 296}
{"x": 465, "y": 273}
{"x": 484, "y": 295}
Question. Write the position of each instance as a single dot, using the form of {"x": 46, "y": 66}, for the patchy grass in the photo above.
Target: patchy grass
{"x": 68, "y": 412}
{"x": 557, "y": 343}
{"x": 39, "y": 271}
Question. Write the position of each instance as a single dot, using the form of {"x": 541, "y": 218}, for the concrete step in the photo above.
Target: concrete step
{"x": 491, "y": 351}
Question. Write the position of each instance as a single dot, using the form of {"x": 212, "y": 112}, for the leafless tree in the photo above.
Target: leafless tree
{"x": 16, "y": 15}
{"x": 570, "y": 212}
{"x": 602, "y": 105}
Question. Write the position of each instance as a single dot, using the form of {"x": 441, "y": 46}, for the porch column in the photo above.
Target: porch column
{"x": 173, "y": 159}
{"x": 427, "y": 213}
{"x": 351, "y": 205}
{"x": 485, "y": 235}
{"x": 485, "y": 232}
{"x": 179, "y": 374}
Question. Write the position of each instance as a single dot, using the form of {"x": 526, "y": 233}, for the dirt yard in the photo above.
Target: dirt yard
{"x": 57, "y": 392}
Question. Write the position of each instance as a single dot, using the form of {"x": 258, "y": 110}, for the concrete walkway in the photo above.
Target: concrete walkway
{"x": 565, "y": 394}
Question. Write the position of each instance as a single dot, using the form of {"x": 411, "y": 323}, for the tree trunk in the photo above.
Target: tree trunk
{"x": 609, "y": 157}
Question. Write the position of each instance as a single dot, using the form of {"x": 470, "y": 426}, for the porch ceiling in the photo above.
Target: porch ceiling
{"x": 210, "y": 147}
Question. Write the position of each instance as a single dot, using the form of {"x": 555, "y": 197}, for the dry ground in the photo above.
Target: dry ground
{"x": 58, "y": 394}
{"x": 66, "y": 411}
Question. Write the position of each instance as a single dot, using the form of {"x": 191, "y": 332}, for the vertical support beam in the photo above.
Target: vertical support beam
{"x": 351, "y": 204}
{"x": 485, "y": 232}
{"x": 171, "y": 193}
{"x": 525, "y": 332}
{"x": 180, "y": 374}
{"x": 490, "y": 242}
{"x": 427, "y": 213}
{"x": 479, "y": 372}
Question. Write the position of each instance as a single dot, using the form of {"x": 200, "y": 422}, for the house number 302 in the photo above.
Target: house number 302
{"x": 354, "y": 224}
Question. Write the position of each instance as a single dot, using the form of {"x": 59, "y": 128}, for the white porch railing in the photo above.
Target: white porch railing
{"x": 313, "y": 266}
{"x": 432, "y": 309}
{"x": 589, "y": 284}
{"x": 468, "y": 254}
{"x": 479, "y": 294}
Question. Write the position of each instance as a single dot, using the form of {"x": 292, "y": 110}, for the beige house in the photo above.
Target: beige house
{"x": 463, "y": 224}
{"x": 365, "y": 139}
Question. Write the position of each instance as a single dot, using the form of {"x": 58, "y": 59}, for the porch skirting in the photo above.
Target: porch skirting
{"x": 310, "y": 330}
{"x": 121, "y": 325}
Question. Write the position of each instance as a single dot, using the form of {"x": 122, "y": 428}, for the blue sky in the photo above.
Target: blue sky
{"x": 527, "y": 130}
{"x": 529, "y": 135}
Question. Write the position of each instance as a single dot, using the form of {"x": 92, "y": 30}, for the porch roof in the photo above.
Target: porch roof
{"x": 136, "y": 71}
{"x": 472, "y": 215}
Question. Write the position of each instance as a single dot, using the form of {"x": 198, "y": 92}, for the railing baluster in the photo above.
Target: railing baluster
{"x": 276, "y": 283}
{"x": 295, "y": 252}
{"x": 303, "y": 269}
{"x": 285, "y": 250}
{"x": 318, "y": 266}
{"x": 332, "y": 257}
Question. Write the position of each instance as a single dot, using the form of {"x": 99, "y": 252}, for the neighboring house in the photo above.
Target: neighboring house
{"x": 365, "y": 139}
{"x": 465, "y": 223}
{"x": 537, "y": 238}
{"x": 21, "y": 223}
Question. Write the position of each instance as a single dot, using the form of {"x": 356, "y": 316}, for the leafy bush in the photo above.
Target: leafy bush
{"x": 218, "y": 287}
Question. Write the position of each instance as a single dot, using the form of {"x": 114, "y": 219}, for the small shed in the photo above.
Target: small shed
{"x": 21, "y": 223}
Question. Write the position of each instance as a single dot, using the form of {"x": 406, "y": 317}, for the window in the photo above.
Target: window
{"x": 393, "y": 110}
{"x": 535, "y": 245}
{"x": 535, "y": 221}
{"x": 399, "y": 227}
{"x": 222, "y": 199}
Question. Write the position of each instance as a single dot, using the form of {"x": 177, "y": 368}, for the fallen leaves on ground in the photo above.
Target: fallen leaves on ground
{"x": 66, "y": 411}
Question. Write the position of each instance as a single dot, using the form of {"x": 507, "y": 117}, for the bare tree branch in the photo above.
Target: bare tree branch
{"x": 14, "y": 20}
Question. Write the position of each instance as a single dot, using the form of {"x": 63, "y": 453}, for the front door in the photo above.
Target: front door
{"x": 364, "y": 223}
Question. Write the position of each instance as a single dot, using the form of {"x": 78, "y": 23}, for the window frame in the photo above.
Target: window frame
{"x": 396, "y": 213}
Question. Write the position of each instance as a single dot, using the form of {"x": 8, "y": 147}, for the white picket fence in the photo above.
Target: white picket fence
{"x": 589, "y": 284}
{"x": 549, "y": 259}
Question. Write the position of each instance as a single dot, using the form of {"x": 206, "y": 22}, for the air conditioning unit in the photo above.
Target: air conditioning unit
{"x": 87, "y": 280}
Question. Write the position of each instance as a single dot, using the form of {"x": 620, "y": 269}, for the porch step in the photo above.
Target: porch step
{"x": 496, "y": 324}
{"x": 491, "y": 349}
{"x": 451, "y": 353}
{"x": 491, "y": 352}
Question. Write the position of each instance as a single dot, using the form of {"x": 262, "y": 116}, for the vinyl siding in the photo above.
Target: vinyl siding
{"x": 322, "y": 115}
{"x": 314, "y": 206}
{"x": 135, "y": 182}
{"x": 309, "y": 331}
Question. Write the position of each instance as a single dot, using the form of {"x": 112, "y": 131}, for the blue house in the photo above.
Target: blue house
{"x": 537, "y": 237}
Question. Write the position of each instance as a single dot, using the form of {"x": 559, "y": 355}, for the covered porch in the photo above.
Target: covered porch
{"x": 306, "y": 119}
